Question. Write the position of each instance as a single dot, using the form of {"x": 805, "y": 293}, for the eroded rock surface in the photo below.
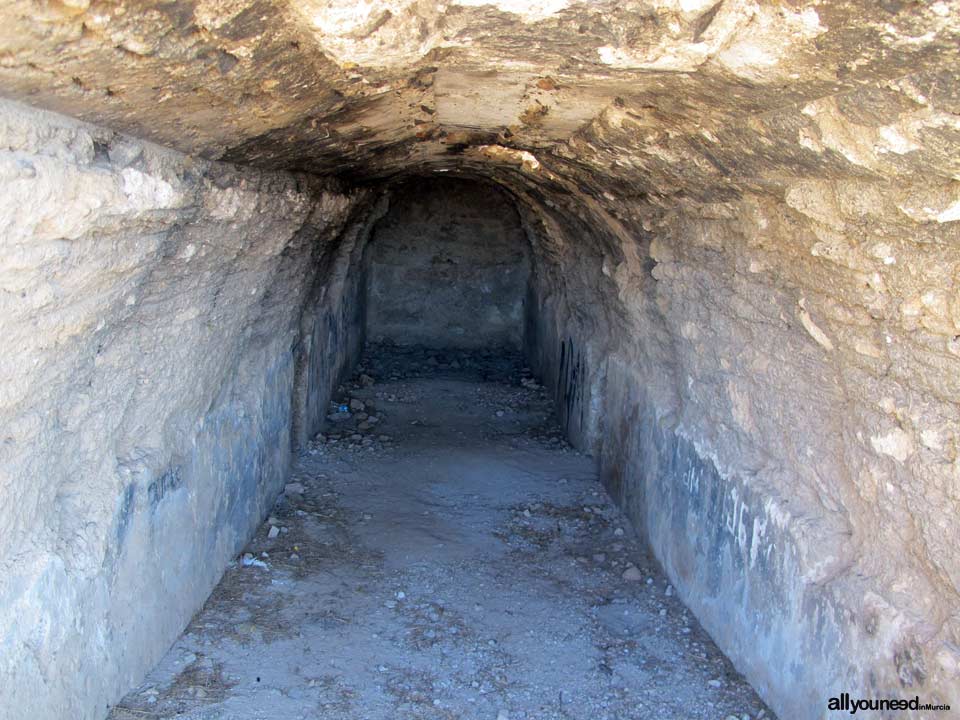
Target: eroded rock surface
{"x": 744, "y": 220}
{"x": 150, "y": 309}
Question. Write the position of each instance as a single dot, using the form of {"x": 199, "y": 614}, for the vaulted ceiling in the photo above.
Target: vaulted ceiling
{"x": 658, "y": 93}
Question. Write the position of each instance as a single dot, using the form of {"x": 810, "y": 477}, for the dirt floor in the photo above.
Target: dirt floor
{"x": 440, "y": 552}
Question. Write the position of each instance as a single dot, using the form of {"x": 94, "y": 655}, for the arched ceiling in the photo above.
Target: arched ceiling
{"x": 702, "y": 97}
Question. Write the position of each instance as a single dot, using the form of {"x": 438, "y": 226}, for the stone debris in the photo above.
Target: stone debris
{"x": 248, "y": 560}
{"x": 632, "y": 574}
{"x": 413, "y": 362}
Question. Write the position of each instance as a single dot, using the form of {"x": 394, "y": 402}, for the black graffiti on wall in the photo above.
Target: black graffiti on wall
{"x": 169, "y": 480}
{"x": 569, "y": 391}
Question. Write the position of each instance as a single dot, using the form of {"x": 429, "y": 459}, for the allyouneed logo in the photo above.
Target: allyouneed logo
{"x": 845, "y": 703}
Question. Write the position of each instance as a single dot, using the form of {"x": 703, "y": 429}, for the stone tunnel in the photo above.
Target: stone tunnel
{"x": 723, "y": 238}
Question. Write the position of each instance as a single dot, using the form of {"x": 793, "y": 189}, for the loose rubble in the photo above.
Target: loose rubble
{"x": 505, "y": 387}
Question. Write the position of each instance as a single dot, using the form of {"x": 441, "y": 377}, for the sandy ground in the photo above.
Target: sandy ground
{"x": 441, "y": 553}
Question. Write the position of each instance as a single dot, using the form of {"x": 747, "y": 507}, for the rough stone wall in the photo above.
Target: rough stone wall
{"x": 780, "y": 419}
{"x": 334, "y": 321}
{"x": 566, "y": 328}
{"x": 778, "y": 413}
{"x": 149, "y": 309}
{"x": 448, "y": 267}
{"x": 811, "y": 421}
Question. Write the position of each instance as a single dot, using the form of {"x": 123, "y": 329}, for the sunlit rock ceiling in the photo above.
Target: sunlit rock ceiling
{"x": 660, "y": 96}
